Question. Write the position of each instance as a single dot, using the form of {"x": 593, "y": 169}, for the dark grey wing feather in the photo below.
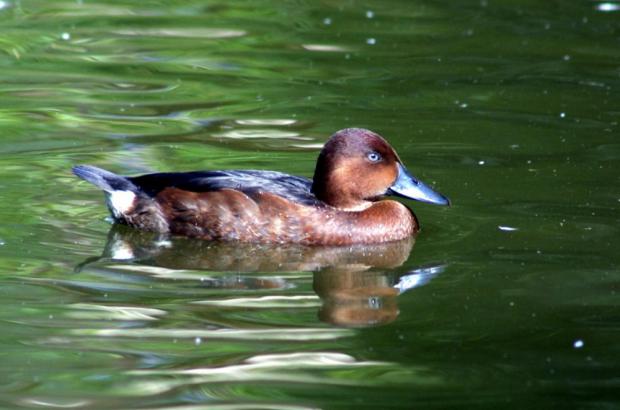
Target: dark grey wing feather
{"x": 290, "y": 187}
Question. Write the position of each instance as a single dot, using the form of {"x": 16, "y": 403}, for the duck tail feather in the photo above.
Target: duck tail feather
{"x": 105, "y": 180}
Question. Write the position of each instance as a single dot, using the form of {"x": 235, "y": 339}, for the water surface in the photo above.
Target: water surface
{"x": 508, "y": 299}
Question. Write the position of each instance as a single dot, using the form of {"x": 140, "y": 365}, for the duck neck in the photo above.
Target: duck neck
{"x": 335, "y": 194}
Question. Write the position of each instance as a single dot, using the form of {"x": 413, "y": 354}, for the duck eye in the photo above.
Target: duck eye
{"x": 373, "y": 157}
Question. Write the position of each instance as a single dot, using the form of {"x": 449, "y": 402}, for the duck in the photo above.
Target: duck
{"x": 343, "y": 204}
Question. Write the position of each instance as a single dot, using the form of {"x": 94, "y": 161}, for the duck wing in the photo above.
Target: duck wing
{"x": 293, "y": 188}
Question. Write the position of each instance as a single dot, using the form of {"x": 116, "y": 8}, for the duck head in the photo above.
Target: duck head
{"x": 357, "y": 167}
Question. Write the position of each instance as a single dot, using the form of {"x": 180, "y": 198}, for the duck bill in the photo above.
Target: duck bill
{"x": 407, "y": 186}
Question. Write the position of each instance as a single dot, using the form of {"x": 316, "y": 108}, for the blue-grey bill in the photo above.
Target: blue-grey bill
{"x": 407, "y": 186}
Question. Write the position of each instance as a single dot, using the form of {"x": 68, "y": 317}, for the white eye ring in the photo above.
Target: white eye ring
{"x": 373, "y": 157}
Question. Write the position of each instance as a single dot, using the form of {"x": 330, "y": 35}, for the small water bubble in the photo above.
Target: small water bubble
{"x": 607, "y": 7}
{"x": 507, "y": 228}
{"x": 566, "y": 57}
{"x": 370, "y": 14}
{"x": 463, "y": 105}
{"x": 51, "y": 316}
{"x": 197, "y": 341}
{"x": 578, "y": 344}
{"x": 4, "y": 4}
{"x": 2, "y": 243}
{"x": 481, "y": 162}
{"x": 327, "y": 21}
{"x": 547, "y": 26}
{"x": 371, "y": 41}
{"x": 562, "y": 115}
{"x": 65, "y": 36}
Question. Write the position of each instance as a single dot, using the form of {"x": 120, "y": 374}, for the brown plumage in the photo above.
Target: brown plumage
{"x": 341, "y": 205}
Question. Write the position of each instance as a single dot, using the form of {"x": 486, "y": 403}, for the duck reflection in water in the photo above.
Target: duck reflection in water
{"x": 357, "y": 284}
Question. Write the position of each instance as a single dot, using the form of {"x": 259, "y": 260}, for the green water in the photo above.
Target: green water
{"x": 509, "y": 299}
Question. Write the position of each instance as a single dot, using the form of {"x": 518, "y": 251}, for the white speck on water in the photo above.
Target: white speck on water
{"x": 197, "y": 341}
{"x": 562, "y": 115}
{"x": 463, "y": 105}
{"x": 327, "y": 21}
{"x": 514, "y": 146}
{"x": 507, "y": 228}
{"x": 4, "y": 243}
{"x": 370, "y": 14}
{"x": 371, "y": 41}
{"x": 4, "y": 4}
{"x": 578, "y": 344}
{"x": 164, "y": 243}
{"x": 566, "y": 57}
{"x": 607, "y": 7}
{"x": 65, "y": 36}
{"x": 481, "y": 162}
{"x": 512, "y": 304}
{"x": 51, "y": 316}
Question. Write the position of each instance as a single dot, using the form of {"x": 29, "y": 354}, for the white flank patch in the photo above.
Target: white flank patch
{"x": 121, "y": 202}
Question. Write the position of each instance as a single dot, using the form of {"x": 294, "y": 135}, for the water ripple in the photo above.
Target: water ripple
{"x": 290, "y": 334}
{"x": 183, "y": 32}
{"x": 297, "y": 367}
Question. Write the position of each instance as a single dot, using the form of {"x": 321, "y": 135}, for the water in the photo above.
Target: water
{"x": 508, "y": 299}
